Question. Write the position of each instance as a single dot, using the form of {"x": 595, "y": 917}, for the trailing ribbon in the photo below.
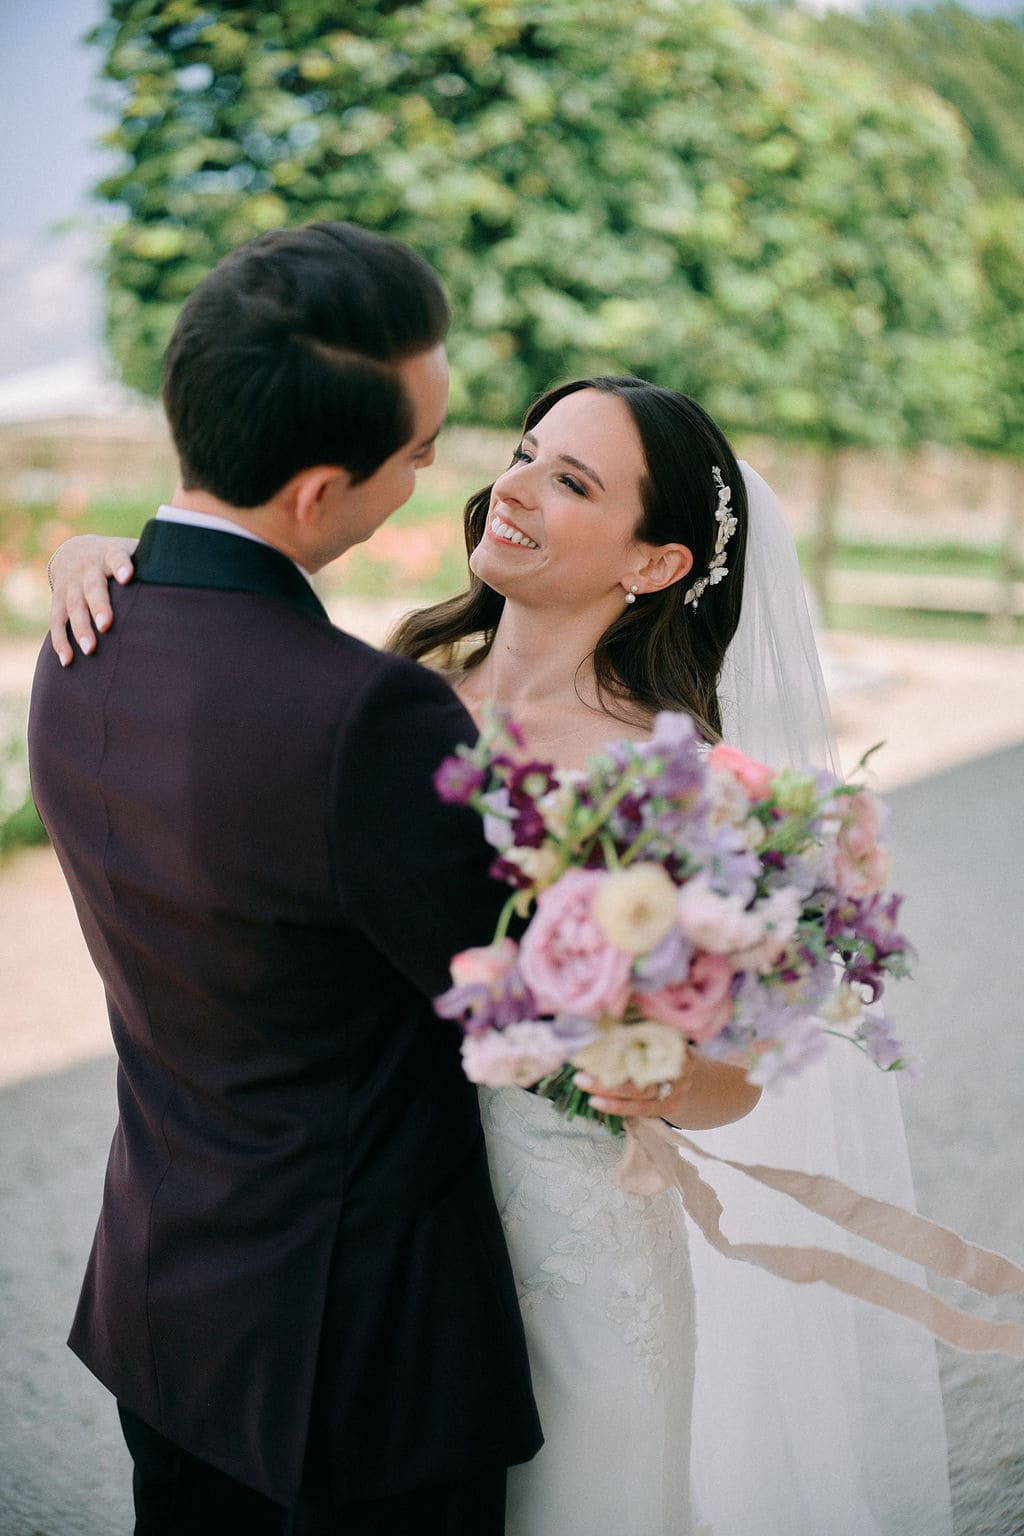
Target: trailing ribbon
{"x": 654, "y": 1161}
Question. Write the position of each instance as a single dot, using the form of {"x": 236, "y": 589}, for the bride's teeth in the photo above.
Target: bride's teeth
{"x": 513, "y": 535}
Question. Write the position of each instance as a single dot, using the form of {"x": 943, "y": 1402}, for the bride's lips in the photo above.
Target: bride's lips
{"x": 503, "y": 530}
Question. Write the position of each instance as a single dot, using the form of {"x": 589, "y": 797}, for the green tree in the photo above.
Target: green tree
{"x": 976, "y": 64}
{"x": 679, "y": 191}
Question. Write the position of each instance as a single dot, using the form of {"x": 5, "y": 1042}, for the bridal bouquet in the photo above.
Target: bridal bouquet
{"x": 677, "y": 899}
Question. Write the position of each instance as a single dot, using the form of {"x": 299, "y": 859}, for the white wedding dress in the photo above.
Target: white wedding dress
{"x": 607, "y": 1298}
{"x": 681, "y": 1393}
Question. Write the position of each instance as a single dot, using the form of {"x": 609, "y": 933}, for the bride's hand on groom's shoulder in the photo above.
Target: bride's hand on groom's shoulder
{"x": 80, "y": 572}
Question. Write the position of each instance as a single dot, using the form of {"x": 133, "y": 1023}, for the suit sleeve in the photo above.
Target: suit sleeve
{"x": 410, "y": 872}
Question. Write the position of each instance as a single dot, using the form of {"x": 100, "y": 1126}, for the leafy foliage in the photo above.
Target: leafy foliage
{"x": 680, "y": 191}
{"x": 976, "y": 64}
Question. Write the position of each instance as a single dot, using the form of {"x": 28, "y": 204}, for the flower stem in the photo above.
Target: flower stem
{"x": 572, "y": 1101}
{"x": 505, "y": 918}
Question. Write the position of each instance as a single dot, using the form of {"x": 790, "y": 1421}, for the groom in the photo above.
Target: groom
{"x": 298, "y": 1290}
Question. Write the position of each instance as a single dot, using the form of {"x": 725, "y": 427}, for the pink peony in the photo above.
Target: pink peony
{"x": 755, "y": 777}
{"x": 564, "y": 956}
{"x": 701, "y": 1006}
{"x": 862, "y": 859}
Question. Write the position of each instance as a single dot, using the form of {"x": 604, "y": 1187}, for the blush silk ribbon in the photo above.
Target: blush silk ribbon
{"x": 654, "y": 1161}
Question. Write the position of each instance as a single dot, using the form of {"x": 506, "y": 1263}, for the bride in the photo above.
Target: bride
{"x": 736, "y": 1405}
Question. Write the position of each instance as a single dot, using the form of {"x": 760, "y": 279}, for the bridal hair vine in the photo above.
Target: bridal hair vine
{"x": 726, "y": 520}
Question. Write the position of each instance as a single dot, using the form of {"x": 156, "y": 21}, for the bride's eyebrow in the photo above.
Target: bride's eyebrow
{"x": 566, "y": 458}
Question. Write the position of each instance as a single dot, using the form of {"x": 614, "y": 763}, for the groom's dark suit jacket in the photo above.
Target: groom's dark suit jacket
{"x": 297, "y": 1233}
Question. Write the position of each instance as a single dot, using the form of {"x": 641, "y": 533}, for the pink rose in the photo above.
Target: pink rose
{"x": 862, "y": 859}
{"x": 755, "y": 777}
{"x": 565, "y": 958}
{"x": 701, "y": 1006}
{"x": 484, "y": 967}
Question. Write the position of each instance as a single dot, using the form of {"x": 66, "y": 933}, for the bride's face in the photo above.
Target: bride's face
{"x": 562, "y": 518}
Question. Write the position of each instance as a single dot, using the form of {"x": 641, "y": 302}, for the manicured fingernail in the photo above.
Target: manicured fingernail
{"x": 582, "y": 1080}
{"x": 123, "y": 572}
{"x": 86, "y": 644}
{"x": 64, "y": 659}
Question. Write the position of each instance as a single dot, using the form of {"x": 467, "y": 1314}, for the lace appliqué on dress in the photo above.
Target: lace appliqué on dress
{"x": 628, "y": 1251}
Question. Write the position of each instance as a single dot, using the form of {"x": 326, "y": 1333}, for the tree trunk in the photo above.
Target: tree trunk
{"x": 830, "y": 474}
{"x": 1002, "y": 623}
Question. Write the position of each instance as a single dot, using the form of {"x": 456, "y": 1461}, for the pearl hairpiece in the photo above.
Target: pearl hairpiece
{"x": 726, "y": 520}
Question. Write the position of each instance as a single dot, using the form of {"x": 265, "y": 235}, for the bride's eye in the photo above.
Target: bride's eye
{"x": 572, "y": 484}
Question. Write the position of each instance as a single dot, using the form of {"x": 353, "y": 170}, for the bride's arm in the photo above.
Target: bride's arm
{"x": 707, "y": 1094}
{"x": 80, "y": 571}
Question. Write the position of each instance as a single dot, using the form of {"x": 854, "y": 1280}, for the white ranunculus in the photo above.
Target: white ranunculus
{"x": 730, "y": 805}
{"x": 641, "y": 1053}
{"x": 636, "y": 907}
{"x": 538, "y": 864}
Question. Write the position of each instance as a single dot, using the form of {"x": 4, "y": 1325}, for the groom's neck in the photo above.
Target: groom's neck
{"x": 270, "y": 521}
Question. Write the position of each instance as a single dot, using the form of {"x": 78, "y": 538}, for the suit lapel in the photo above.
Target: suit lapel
{"x": 179, "y": 555}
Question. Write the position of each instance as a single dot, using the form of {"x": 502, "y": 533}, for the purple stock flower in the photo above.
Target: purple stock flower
{"x": 863, "y": 932}
{"x": 509, "y": 872}
{"x": 500, "y": 726}
{"x": 528, "y": 782}
{"x": 573, "y": 1031}
{"x": 488, "y": 992}
{"x": 673, "y": 743}
{"x": 528, "y": 829}
{"x": 457, "y": 780}
{"x": 797, "y": 1043}
{"x": 667, "y": 963}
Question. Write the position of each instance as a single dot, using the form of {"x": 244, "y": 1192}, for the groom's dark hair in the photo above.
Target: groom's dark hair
{"x": 285, "y": 357}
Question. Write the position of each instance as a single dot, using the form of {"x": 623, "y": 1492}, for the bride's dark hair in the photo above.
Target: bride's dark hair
{"x": 658, "y": 653}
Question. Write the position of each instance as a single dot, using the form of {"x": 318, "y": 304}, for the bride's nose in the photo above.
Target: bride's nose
{"x": 516, "y": 484}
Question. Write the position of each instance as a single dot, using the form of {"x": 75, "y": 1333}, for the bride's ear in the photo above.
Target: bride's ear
{"x": 667, "y": 564}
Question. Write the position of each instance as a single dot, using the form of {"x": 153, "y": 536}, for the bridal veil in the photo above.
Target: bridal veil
{"x": 813, "y": 1413}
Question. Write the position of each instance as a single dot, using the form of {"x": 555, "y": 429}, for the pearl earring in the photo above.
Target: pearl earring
{"x": 631, "y": 595}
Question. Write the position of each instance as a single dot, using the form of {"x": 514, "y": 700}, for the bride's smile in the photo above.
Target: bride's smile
{"x": 507, "y": 533}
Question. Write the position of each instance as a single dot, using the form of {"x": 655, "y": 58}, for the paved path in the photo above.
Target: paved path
{"x": 959, "y": 849}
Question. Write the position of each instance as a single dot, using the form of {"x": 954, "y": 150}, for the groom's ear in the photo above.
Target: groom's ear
{"x": 311, "y": 493}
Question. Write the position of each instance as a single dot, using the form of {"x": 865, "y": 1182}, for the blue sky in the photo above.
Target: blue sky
{"x": 48, "y": 127}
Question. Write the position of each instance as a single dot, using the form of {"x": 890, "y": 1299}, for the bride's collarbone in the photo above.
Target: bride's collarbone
{"x": 565, "y": 736}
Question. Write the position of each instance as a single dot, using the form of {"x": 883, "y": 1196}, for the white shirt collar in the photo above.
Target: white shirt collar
{"x": 166, "y": 514}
